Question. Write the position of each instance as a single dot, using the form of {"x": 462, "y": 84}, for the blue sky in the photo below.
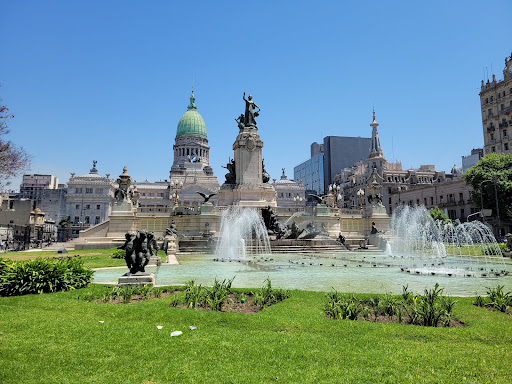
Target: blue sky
{"x": 109, "y": 80}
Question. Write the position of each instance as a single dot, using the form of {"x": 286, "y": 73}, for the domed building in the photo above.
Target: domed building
{"x": 191, "y": 170}
{"x": 289, "y": 194}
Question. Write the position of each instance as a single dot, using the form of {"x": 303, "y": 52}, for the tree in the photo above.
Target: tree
{"x": 13, "y": 159}
{"x": 439, "y": 215}
{"x": 493, "y": 169}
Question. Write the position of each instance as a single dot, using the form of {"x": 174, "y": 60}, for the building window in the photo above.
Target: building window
{"x": 77, "y": 206}
{"x": 461, "y": 196}
{"x": 506, "y": 146}
{"x": 98, "y": 206}
{"x": 88, "y": 206}
{"x": 99, "y": 191}
{"x": 504, "y": 132}
{"x": 97, "y": 220}
{"x": 78, "y": 190}
{"x": 462, "y": 213}
{"x": 86, "y": 219}
{"x": 492, "y": 136}
{"x": 88, "y": 190}
{"x": 76, "y": 220}
{"x": 493, "y": 149}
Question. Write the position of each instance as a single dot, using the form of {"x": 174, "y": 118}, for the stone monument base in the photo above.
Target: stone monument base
{"x": 155, "y": 260}
{"x": 247, "y": 195}
{"x": 140, "y": 278}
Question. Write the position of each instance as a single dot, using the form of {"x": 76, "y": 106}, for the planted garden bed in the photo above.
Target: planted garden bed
{"x": 220, "y": 297}
{"x": 431, "y": 309}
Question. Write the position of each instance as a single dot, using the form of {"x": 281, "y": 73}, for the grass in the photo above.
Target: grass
{"x": 57, "y": 338}
{"x": 93, "y": 258}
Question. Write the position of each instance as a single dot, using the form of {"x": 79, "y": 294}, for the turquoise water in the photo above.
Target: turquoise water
{"x": 346, "y": 272}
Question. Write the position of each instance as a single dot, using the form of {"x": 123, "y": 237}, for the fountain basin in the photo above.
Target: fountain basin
{"x": 357, "y": 272}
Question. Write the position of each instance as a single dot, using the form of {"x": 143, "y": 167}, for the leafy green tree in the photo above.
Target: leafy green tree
{"x": 439, "y": 215}
{"x": 490, "y": 170}
{"x": 13, "y": 159}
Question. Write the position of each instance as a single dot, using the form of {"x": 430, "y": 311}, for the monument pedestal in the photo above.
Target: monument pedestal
{"x": 155, "y": 260}
{"x": 172, "y": 248}
{"x": 140, "y": 278}
{"x": 249, "y": 189}
{"x": 248, "y": 195}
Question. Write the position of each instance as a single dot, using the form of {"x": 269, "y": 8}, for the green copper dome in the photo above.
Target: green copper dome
{"x": 191, "y": 123}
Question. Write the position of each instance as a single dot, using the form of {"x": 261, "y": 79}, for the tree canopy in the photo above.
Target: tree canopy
{"x": 13, "y": 159}
{"x": 493, "y": 169}
{"x": 439, "y": 215}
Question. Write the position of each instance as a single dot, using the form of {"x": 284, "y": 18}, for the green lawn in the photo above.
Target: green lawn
{"x": 93, "y": 258}
{"x": 56, "y": 338}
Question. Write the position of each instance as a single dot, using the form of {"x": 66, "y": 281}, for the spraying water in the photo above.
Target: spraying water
{"x": 425, "y": 244}
{"x": 242, "y": 232}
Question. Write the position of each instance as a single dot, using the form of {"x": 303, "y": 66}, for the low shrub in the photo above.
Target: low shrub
{"x": 432, "y": 309}
{"x": 343, "y": 306}
{"x": 118, "y": 254}
{"x": 496, "y": 299}
{"x": 218, "y": 294}
{"x": 194, "y": 295}
{"x": 267, "y": 295}
{"x": 25, "y": 277}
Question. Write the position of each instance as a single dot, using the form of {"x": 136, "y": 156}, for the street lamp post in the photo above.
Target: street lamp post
{"x": 495, "y": 196}
{"x": 298, "y": 200}
{"x": 360, "y": 194}
{"x": 176, "y": 186}
{"x": 335, "y": 191}
{"x": 493, "y": 180}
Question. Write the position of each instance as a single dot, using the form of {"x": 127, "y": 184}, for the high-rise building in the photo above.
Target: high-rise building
{"x": 32, "y": 185}
{"x": 341, "y": 152}
{"x": 496, "y": 105}
{"x": 471, "y": 160}
{"x": 311, "y": 172}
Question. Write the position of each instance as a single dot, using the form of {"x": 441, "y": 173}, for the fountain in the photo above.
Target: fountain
{"x": 306, "y": 254}
{"x": 429, "y": 247}
{"x": 242, "y": 231}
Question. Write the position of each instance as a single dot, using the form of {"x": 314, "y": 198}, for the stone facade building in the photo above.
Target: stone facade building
{"x": 153, "y": 197}
{"x": 289, "y": 193}
{"x": 391, "y": 177}
{"x": 33, "y": 186}
{"x": 496, "y": 105}
{"x": 89, "y": 198}
{"x": 452, "y": 196}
